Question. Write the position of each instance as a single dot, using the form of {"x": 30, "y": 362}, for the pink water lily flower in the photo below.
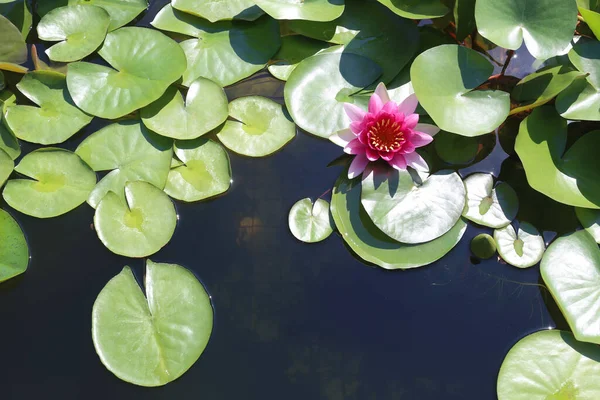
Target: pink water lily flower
{"x": 387, "y": 130}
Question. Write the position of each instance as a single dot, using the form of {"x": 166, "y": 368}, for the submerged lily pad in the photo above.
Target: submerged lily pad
{"x": 310, "y": 222}
{"x": 6, "y": 166}
{"x": 201, "y": 171}
{"x": 523, "y": 249}
{"x": 58, "y": 182}
{"x": 14, "y": 252}
{"x": 294, "y": 48}
{"x": 483, "y": 246}
{"x": 13, "y": 50}
{"x": 416, "y": 9}
{"x": 260, "y": 127}
{"x": 311, "y": 10}
{"x": 489, "y": 205}
{"x": 146, "y": 62}
{"x": 590, "y": 220}
{"x": 152, "y": 340}
{"x": 220, "y": 10}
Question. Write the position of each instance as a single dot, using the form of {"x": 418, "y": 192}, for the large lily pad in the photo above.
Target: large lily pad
{"x": 13, "y": 50}
{"x": 131, "y": 153}
{"x": 58, "y": 181}
{"x": 146, "y": 62}
{"x": 260, "y": 127}
{"x": 522, "y": 249}
{"x": 590, "y": 220}
{"x": 416, "y": 9}
{"x": 571, "y": 179}
{"x": 14, "y": 252}
{"x": 311, "y": 10}
{"x": 55, "y": 120}
{"x": 6, "y": 166}
{"x": 310, "y": 222}
{"x": 220, "y": 10}
{"x": 444, "y": 79}
{"x": 152, "y": 340}
{"x": 205, "y": 108}
{"x": 294, "y": 48}
{"x": 489, "y": 205}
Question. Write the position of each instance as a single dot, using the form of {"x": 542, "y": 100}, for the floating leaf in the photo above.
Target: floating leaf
{"x": 55, "y": 120}
{"x": 464, "y": 17}
{"x": 6, "y": 166}
{"x": 523, "y": 249}
{"x": 58, "y": 181}
{"x": 483, "y": 246}
{"x": 444, "y": 79}
{"x": 416, "y": 9}
{"x": 310, "y": 223}
{"x": 205, "y": 109}
{"x": 220, "y": 10}
{"x": 153, "y": 340}
{"x": 311, "y": 10}
{"x": 591, "y": 18}
{"x": 130, "y": 152}
{"x": 146, "y": 62}
{"x": 260, "y": 127}
{"x": 14, "y": 253}
{"x": 490, "y": 206}
{"x": 294, "y": 49}
{"x": 8, "y": 142}
{"x": 456, "y": 149}
{"x": 13, "y": 49}
{"x": 201, "y": 171}
{"x": 590, "y": 219}
{"x": 17, "y": 11}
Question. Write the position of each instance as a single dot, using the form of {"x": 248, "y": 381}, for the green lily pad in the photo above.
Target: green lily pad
{"x": 444, "y": 79}
{"x": 152, "y": 340}
{"x": 489, "y": 205}
{"x": 13, "y": 49}
{"x": 131, "y": 153}
{"x": 316, "y": 91}
{"x": 19, "y": 13}
{"x": 138, "y": 226}
{"x": 58, "y": 181}
{"x": 591, "y": 18}
{"x": 146, "y": 62}
{"x": 220, "y": 10}
{"x": 416, "y": 9}
{"x": 523, "y": 249}
{"x": 6, "y": 166}
{"x": 225, "y": 52}
{"x": 412, "y": 212}
{"x": 8, "y": 141}
{"x": 310, "y": 222}
{"x": 201, "y": 170}
{"x": 14, "y": 252}
{"x": 483, "y": 246}
{"x": 310, "y": 10}
{"x": 456, "y": 149}
{"x": 260, "y": 127}
{"x": 294, "y": 49}
{"x": 372, "y": 245}
{"x": 55, "y": 120}
{"x": 547, "y": 26}
{"x": 464, "y": 18}
{"x": 550, "y": 365}
{"x": 205, "y": 108}
{"x": 590, "y": 220}
{"x": 570, "y": 179}
{"x": 80, "y": 30}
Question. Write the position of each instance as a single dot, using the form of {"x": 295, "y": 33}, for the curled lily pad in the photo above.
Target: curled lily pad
{"x": 523, "y": 249}
{"x": 14, "y": 252}
{"x": 310, "y": 222}
{"x": 590, "y": 220}
{"x": 260, "y": 127}
{"x": 138, "y": 226}
{"x": 13, "y": 50}
{"x": 204, "y": 109}
{"x": 154, "y": 339}
{"x": 416, "y": 9}
{"x": 55, "y": 120}
{"x": 489, "y": 205}
{"x": 130, "y": 152}
{"x": 201, "y": 171}
{"x": 58, "y": 182}
{"x": 220, "y": 10}
{"x": 311, "y": 10}
{"x": 550, "y": 365}
{"x": 146, "y": 62}
{"x": 483, "y": 246}
{"x": 294, "y": 48}
{"x": 80, "y": 30}
{"x": 6, "y": 166}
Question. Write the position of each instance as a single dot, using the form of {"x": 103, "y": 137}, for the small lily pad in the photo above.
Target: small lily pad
{"x": 311, "y": 10}
{"x": 310, "y": 222}
{"x": 260, "y": 127}
{"x": 483, "y": 246}
{"x": 489, "y": 205}
{"x": 523, "y": 249}
{"x": 293, "y": 50}
{"x": 13, "y": 50}
{"x": 6, "y": 166}
{"x": 14, "y": 252}
{"x": 590, "y": 220}
{"x": 154, "y": 339}
{"x": 58, "y": 181}
{"x": 416, "y": 9}
{"x": 220, "y": 10}
{"x": 138, "y": 226}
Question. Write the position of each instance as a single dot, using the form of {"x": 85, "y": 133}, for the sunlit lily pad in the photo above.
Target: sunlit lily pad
{"x": 55, "y": 120}
{"x": 260, "y": 127}
{"x": 294, "y": 48}
{"x": 154, "y": 339}
{"x": 201, "y": 170}
{"x": 220, "y": 10}
{"x": 550, "y": 365}
{"x": 6, "y": 166}
{"x": 521, "y": 249}
{"x": 146, "y": 62}
{"x": 490, "y": 205}
{"x": 204, "y": 109}
{"x": 590, "y": 220}
{"x": 131, "y": 153}
{"x": 592, "y": 18}
{"x": 412, "y": 212}
{"x": 13, "y": 50}
{"x": 80, "y": 30}
{"x": 8, "y": 141}
{"x": 311, "y": 10}
{"x": 444, "y": 78}
{"x": 310, "y": 222}
{"x": 483, "y": 246}
{"x": 14, "y": 252}
{"x": 55, "y": 182}
{"x": 416, "y": 9}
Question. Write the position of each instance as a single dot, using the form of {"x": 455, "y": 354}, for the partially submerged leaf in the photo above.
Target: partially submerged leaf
{"x": 494, "y": 206}
{"x": 310, "y": 222}
{"x": 14, "y": 252}
{"x": 522, "y": 249}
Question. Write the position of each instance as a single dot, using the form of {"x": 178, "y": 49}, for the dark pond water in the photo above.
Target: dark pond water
{"x": 292, "y": 321}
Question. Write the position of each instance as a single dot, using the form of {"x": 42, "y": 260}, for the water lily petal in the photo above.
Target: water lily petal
{"x": 420, "y": 139}
{"x": 382, "y": 92}
{"x": 356, "y": 127}
{"x": 398, "y": 162}
{"x": 343, "y": 137}
{"x": 391, "y": 108}
{"x": 372, "y": 155}
{"x": 355, "y": 147}
{"x": 409, "y": 105}
{"x": 431, "y": 130}
{"x": 417, "y": 162}
{"x": 387, "y": 156}
{"x": 411, "y": 121}
{"x": 357, "y": 166}
{"x": 354, "y": 112}
{"x": 375, "y": 104}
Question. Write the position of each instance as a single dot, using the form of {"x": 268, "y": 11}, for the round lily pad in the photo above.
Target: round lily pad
{"x": 260, "y": 127}
{"x": 416, "y": 9}
{"x": 138, "y": 226}
{"x": 372, "y": 245}
{"x": 204, "y": 109}
{"x": 154, "y": 339}
{"x": 13, "y": 50}
{"x": 56, "y": 182}
{"x": 55, "y": 120}
{"x": 489, "y": 205}
{"x": 131, "y": 152}
{"x": 14, "y": 252}
{"x": 80, "y": 30}
{"x": 294, "y": 48}
{"x": 523, "y": 249}
{"x": 6, "y": 166}
{"x": 444, "y": 79}
{"x": 220, "y": 10}
{"x": 412, "y": 212}
{"x": 550, "y": 365}
{"x": 311, "y": 10}
{"x": 590, "y": 220}
{"x": 310, "y": 222}
{"x": 145, "y": 63}
{"x": 483, "y": 246}
{"x": 201, "y": 171}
